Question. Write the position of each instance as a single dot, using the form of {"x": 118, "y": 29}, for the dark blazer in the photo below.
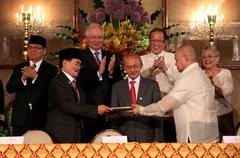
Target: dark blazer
{"x": 32, "y": 94}
{"x": 65, "y": 114}
{"x": 97, "y": 92}
{"x": 2, "y": 115}
{"x": 137, "y": 128}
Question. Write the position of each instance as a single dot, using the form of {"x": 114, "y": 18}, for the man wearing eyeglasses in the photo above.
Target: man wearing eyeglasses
{"x": 29, "y": 81}
{"x": 98, "y": 72}
{"x": 160, "y": 66}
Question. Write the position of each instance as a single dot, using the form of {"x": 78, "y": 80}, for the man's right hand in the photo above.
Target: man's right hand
{"x": 103, "y": 109}
{"x": 102, "y": 66}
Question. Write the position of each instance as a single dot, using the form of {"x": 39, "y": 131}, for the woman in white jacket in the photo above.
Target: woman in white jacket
{"x": 222, "y": 80}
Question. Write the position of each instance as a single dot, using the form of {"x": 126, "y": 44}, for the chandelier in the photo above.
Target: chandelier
{"x": 207, "y": 21}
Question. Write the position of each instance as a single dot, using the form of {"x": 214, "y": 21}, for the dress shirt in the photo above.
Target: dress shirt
{"x": 194, "y": 111}
{"x": 69, "y": 77}
{"x": 100, "y": 59}
{"x": 165, "y": 80}
{"x": 136, "y": 85}
{"x": 37, "y": 64}
{"x": 224, "y": 80}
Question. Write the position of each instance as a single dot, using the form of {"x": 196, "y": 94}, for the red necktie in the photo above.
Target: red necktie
{"x": 76, "y": 92}
{"x": 97, "y": 57}
{"x": 133, "y": 92}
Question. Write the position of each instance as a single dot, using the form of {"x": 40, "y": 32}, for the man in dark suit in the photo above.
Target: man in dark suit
{"x": 2, "y": 116}
{"x": 67, "y": 105}
{"x": 30, "y": 81}
{"x": 134, "y": 90}
{"x": 96, "y": 75}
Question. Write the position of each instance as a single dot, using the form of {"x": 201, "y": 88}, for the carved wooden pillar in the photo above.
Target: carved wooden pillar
{"x": 75, "y": 14}
{"x": 164, "y": 14}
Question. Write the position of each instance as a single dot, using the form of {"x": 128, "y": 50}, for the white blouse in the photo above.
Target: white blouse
{"x": 224, "y": 80}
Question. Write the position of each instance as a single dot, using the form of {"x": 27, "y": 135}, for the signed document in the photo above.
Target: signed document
{"x": 122, "y": 108}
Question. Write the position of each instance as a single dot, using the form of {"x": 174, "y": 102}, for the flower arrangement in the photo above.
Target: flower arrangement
{"x": 125, "y": 23}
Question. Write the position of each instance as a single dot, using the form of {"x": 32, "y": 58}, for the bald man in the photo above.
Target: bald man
{"x": 191, "y": 100}
{"x": 137, "y": 129}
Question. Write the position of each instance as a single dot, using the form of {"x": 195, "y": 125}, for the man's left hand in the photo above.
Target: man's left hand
{"x": 111, "y": 65}
{"x": 160, "y": 63}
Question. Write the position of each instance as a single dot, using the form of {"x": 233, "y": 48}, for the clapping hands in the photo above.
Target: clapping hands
{"x": 160, "y": 63}
{"x": 29, "y": 72}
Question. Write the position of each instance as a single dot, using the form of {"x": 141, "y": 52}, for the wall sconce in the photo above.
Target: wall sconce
{"x": 32, "y": 21}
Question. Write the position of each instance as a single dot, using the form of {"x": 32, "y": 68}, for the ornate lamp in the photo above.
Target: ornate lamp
{"x": 211, "y": 22}
{"x": 31, "y": 21}
{"x": 26, "y": 24}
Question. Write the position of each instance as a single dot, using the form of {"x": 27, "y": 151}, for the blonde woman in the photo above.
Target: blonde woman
{"x": 222, "y": 80}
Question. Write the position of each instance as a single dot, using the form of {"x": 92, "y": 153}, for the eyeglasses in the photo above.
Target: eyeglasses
{"x": 92, "y": 37}
{"x": 157, "y": 41}
{"x": 34, "y": 47}
{"x": 209, "y": 56}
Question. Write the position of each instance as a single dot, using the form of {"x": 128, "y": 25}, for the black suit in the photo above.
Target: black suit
{"x": 137, "y": 128}
{"x": 2, "y": 117}
{"x": 30, "y": 104}
{"x": 64, "y": 121}
{"x": 96, "y": 91}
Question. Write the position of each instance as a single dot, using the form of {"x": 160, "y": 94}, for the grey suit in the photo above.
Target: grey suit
{"x": 137, "y": 128}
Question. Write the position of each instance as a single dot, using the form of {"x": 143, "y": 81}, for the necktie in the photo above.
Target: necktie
{"x": 133, "y": 92}
{"x": 76, "y": 92}
{"x": 96, "y": 57}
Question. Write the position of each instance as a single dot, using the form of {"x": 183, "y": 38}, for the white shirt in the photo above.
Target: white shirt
{"x": 37, "y": 64}
{"x": 193, "y": 106}
{"x": 69, "y": 77}
{"x": 99, "y": 51}
{"x": 165, "y": 80}
{"x": 224, "y": 80}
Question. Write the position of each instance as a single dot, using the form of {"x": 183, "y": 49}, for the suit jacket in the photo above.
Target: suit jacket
{"x": 65, "y": 114}
{"x": 137, "y": 128}
{"x": 2, "y": 117}
{"x": 34, "y": 95}
{"x": 96, "y": 91}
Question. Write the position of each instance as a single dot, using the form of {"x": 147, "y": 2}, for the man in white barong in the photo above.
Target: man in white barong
{"x": 191, "y": 100}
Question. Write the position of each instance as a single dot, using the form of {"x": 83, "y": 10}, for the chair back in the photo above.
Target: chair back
{"x": 106, "y": 132}
{"x": 37, "y": 137}
{"x": 237, "y": 129}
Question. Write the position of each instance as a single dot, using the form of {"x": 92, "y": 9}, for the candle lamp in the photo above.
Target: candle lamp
{"x": 211, "y": 22}
{"x": 32, "y": 21}
{"x": 26, "y": 23}
{"x": 207, "y": 20}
